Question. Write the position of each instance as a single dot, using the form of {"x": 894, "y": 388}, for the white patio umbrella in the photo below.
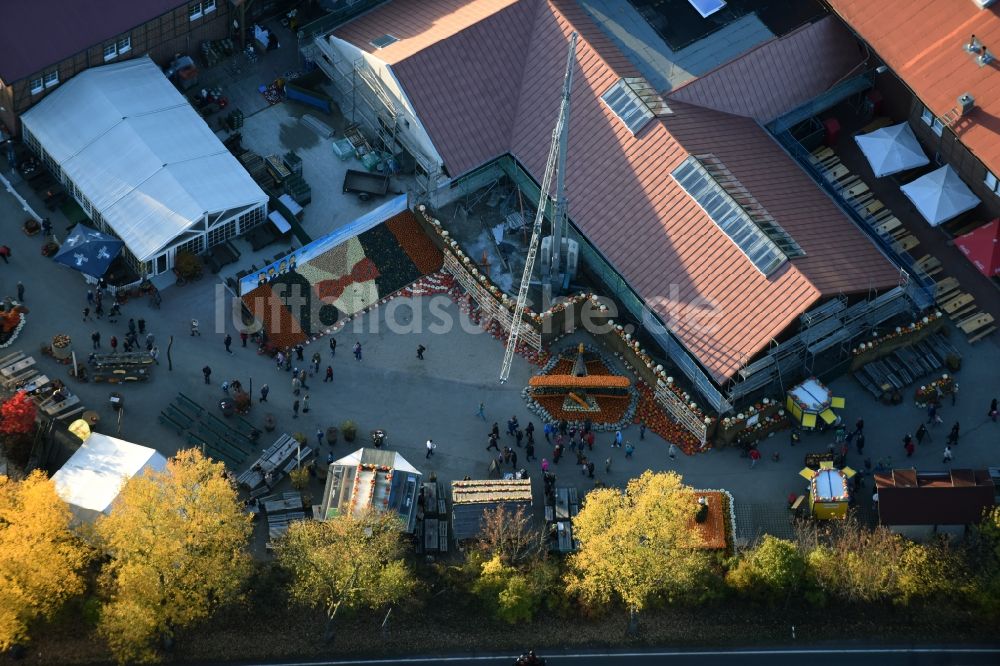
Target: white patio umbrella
{"x": 940, "y": 195}
{"x": 892, "y": 149}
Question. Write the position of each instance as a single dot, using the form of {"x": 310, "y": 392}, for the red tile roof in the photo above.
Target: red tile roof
{"x": 621, "y": 193}
{"x": 780, "y": 75}
{"x": 922, "y": 41}
{"x": 36, "y": 34}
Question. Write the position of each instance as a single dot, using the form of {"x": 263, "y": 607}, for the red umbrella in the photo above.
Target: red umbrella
{"x": 982, "y": 247}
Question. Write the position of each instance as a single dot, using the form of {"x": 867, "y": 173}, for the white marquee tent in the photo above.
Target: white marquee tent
{"x": 142, "y": 163}
{"x": 892, "y": 149}
{"x": 940, "y": 195}
{"x": 91, "y": 479}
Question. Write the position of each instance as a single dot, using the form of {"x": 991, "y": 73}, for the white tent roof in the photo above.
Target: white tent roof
{"x": 399, "y": 462}
{"x": 892, "y": 149}
{"x": 940, "y": 195}
{"x": 91, "y": 479}
{"x": 140, "y": 153}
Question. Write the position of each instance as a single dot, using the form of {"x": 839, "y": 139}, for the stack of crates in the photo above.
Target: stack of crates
{"x": 293, "y": 162}
{"x": 234, "y": 121}
{"x": 297, "y": 188}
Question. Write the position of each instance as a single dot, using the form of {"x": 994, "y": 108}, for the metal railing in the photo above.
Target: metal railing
{"x": 335, "y": 18}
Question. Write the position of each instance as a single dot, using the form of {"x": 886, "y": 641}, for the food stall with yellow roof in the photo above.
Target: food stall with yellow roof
{"x": 829, "y": 493}
{"x": 811, "y": 402}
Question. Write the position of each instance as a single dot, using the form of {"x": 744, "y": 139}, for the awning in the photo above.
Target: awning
{"x": 940, "y": 195}
{"x": 982, "y": 247}
{"x": 828, "y": 416}
{"x": 89, "y": 251}
{"x": 892, "y": 149}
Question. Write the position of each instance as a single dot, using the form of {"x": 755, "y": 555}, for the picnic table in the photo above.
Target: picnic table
{"x": 36, "y": 383}
{"x": 906, "y": 243}
{"x": 18, "y": 368}
{"x": 53, "y": 409}
{"x": 975, "y": 322}
{"x": 957, "y": 303}
{"x": 888, "y": 225}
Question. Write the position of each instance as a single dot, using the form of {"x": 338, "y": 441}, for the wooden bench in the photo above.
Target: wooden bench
{"x": 836, "y": 173}
{"x": 888, "y": 225}
{"x": 975, "y": 323}
{"x": 178, "y": 416}
{"x": 906, "y": 243}
{"x": 170, "y": 423}
{"x": 943, "y": 289}
{"x": 11, "y": 359}
{"x": 982, "y": 334}
{"x": 928, "y": 263}
{"x": 198, "y": 409}
{"x": 66, "y": 416}
{"x": 957, "y": 303}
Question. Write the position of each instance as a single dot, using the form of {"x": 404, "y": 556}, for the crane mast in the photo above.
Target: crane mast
{"x": 557, "y": 154}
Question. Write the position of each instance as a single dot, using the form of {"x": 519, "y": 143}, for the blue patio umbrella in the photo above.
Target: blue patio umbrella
{"x": 89, "y": 251}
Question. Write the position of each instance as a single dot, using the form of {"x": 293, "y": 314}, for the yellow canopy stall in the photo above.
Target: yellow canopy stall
{"x": 829, "y": 494}
{"x": 811, "y": 400}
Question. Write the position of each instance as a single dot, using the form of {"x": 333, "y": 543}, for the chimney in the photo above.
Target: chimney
{"x": 966, "y": 102}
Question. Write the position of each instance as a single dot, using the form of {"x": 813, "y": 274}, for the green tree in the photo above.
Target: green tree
{"x": 40, "y": 558}
{"x": 928, "y": 571}
{"x": 772, "y": 571}
{"x": 346, "y": 562}
{"x": 638, "y": 546}
{"x": 176, "y": 543}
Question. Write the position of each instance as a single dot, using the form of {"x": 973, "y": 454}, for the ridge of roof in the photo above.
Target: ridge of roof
{"x": 778, "y": 75}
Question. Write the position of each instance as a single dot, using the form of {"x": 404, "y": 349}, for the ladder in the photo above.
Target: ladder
{"x": 536, "y": 230}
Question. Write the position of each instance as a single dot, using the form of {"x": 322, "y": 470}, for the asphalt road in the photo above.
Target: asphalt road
{"x": 887, "y": 656}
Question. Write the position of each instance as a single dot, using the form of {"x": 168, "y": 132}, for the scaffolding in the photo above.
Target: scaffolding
{"x": 367, "y": 101}
{"x": 834, "y": 324}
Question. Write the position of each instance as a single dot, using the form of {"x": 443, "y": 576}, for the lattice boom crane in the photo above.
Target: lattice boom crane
{"x": 558, "y": 136}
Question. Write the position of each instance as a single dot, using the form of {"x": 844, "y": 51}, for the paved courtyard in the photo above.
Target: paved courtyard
{"x": 437, "y": 398}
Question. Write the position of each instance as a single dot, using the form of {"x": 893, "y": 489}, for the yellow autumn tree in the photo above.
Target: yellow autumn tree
{"x": 346, "y": 562}
{"x": 639, "y": 545}
{"x": 177, "y": 547}
{"x": 40, "y": 558}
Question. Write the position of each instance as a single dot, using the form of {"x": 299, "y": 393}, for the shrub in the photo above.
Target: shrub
{"x": 349, "y": 429}
{"x": 187, "y": 265}
{"x": 773, "y": 571}
{"x": 512, "y": 595}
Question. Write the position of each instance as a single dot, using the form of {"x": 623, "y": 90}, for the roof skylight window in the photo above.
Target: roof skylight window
{"x": 383, "y": 41}
{"x": 629, "y": 108}
{"x": 734, "y": 219}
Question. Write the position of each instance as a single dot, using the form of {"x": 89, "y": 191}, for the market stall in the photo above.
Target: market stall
{"x": 829, "y": 493}
{"x": 811, "y": 403}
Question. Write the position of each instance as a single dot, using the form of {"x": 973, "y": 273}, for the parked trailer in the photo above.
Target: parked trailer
{"x": 365, "y": 185}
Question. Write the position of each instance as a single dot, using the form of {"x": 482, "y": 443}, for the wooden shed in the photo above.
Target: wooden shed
{"x": 916, "y": 503}
{"x": 470, "y": 499}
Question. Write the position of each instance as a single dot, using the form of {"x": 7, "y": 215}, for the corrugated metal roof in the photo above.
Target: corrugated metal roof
{"x": 923, "y": 42}
{"x": 621, "y": 194}
{"x": 780, "y": 75}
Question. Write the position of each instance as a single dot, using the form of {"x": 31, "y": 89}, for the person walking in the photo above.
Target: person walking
{"x": 672, "y": 452}
{"x": 296, "y": 385}
{"x": 142, "y": 326}
{"x": 953, "y": 435}
{"x": 207, "y": 371}
{"x": 329, "y": 374}
{"x": 932, "y": 417}
{"x": 150, "y": 340}
{"x": 629, "y": 450}
{"x": 545, "y": 466}
{"x": 295, "y": 409}
{"x": 908, "y": 445}
{"x": 642, "y": 430}
{"x": 114, "y": 344}
{"x": 305, "y": 404}
{"x": 5, "y": 253}
{"x": 357, "y": 351}
{"x": 796, "y": 436}
{"x": 194, "y": 328}
{"x": 243, "y": 338}
{"x": 859, "y": 443}
{"x": 921, "y": 433}
{"x": 481, "y": 413}
{"x": 513, "y": 459}
{"x": 607, "y": 465}
{"x": 264, "y": 390}
{"x": 754, "y": 457}
{"x": 228, "y": 342}
{"x": 618, "y": 439}
{"x": 493, "y": 443}
{"x": 20, "y": 292}
{"x": 420, "y": 351}
{"x": 518, "y": 436}
{"x": 859, "y": 425}
{"x": 300, "y": 352}
{"x": 333, "y": 347}
{"x": 430, "y": 446}
{"x": 947, "y": 454}
{"x": 511, "y": 425}
{"x": 529, "y": 451}
{"x": 154, "y": 354}
{"x": 316, "y": 360}
{"x": 992, "y": 413}
{"x": 99, "y": 309}
{"x": 590, "y": 469}
{"x": 131, "y": 326}
{"x": 86, "y": 314}
{"x": 547, "y": 431}
{"x": 95, "y": 338}
{"x": 495, "y": 430}
{"x": 90, "y": 297}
